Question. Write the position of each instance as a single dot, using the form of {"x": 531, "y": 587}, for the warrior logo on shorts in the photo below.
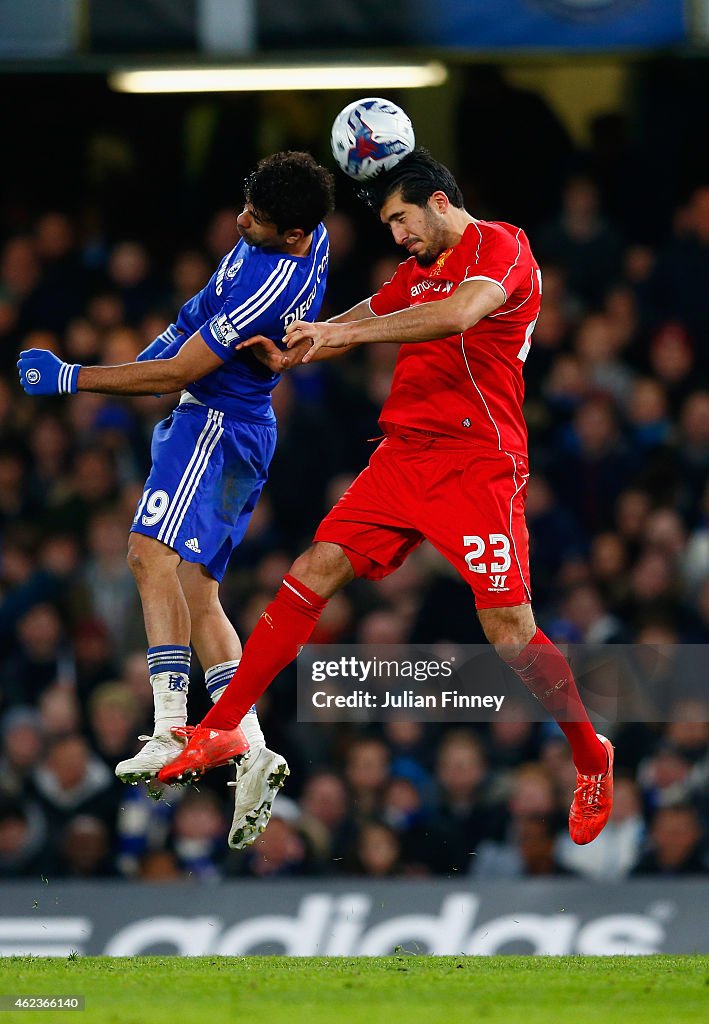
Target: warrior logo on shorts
{"x": 498, "y": 584}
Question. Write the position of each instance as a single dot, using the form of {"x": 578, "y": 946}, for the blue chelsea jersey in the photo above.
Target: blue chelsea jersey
{"x": 254, "y": 291}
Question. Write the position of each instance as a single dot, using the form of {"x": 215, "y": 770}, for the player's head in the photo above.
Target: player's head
{"x": 415, "y": 198}
{"x": 286, "y": 197}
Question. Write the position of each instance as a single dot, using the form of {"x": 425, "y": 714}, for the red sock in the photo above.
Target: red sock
{"x": 281, "y": 631}
{"x": 547, "y": 674}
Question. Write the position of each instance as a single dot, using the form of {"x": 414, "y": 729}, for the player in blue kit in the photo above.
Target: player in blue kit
{"x": 210, "y": 457}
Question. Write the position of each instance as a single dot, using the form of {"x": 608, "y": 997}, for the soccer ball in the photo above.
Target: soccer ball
{"x": 370, "y": 136}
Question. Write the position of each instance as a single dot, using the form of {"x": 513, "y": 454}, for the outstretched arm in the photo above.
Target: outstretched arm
{"x": 267, "y": 352}
{"x": 41, "y": 373}
{"x": 468, "y": 304}
{"x": 304, "y": 353}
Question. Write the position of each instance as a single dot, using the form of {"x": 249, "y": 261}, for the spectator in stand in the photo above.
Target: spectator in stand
{"x": 60, "y": 290}
{"x": 19, "y": 275}
{"x": 21, "y": 751}
{"x": 694, "y": 560}
{"x": 598, "y": 347}
{"x": 160, "y": 866}
{"x": 684, "y": 263}
{"x": 527, "y": 832}
{"x": 59, "y": 712}
{"x": 608, "y": 562}
{"x": 675, "y": 844}
{"x": 43, "y": 657}
{"x": 113, "y": 720}
{"x": 621, "y": 310}
{"x": 85, "y": 849}
{"x": 82, "y": 341}
{"x": 49, "y": 445}
{"x": 411, "y": 744}
{"x": 461, "y": 814}
{"x": 94, "y": 486}
{"x": 109, "y": 583}
{"x": 325, "y": 803}
{"x": 592, "y": 464}
{"x": 377, "y": 851}
{"x": 72, "y": 780}
{"x": 665, "y": 777}
{"x": 367, "y": 771}
{"x": 198, "y": 837}
{"x": 190, "y": 273}
{"x": 554, "y": 537}
{"x": 693, "y": 452}
{"x": 536, "y": 846}
{"x": 688, "y": 732}
{"x": 648, "y": 416}
{"x": 93, "y": 656}
{"x": 14, "y": 499}
{"x": 513, "y": 740}
{"x": 630, "y": 516}
{"x": 33, "y": 577}
{"x": 129, "y": 273}
{"x": 653, "y": 589}
{"x": 672, "y": 363}
{"x": 583, "y": 609}
{"x": 403, "y": 811}
{"x": 24, "y": 840}
{"x": 583, "y": 242}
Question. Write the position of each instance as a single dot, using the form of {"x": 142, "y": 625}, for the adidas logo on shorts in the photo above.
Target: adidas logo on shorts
{"x": 193, "y": 545}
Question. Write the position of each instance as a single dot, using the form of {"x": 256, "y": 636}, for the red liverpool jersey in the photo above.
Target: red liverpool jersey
{"x": 468, "y": 385}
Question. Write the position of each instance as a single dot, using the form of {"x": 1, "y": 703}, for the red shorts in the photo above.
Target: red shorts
{"x": 468, "y": 502}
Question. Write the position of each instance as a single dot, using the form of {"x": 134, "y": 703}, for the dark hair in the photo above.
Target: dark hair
{"x": 417, "y": 176}
{"x": 291, "y": 190}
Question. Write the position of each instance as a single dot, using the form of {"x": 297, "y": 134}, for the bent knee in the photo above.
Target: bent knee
{"x": 324, "y": 568}
{"x": 509, "y": 630}
{"x": 510, "y": 647}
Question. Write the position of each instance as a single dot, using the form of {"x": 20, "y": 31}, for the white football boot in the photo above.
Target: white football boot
{"x": 157, "y": 752}
{"x": 258, "y": 781}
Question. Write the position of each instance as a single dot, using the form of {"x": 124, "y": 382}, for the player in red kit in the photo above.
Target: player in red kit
{"x": 452, "y": 468}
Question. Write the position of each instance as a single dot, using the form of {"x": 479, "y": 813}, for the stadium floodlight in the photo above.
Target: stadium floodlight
{"x": 258, "y": 78}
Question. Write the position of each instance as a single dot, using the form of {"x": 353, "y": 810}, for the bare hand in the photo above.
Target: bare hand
{"x": 296, "y": 354}
{"x": 266, "y": 351}
{"x": 322, "y": 335}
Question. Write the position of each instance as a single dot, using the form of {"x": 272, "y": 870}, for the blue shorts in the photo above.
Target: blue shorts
{"x": 207, "y": 474}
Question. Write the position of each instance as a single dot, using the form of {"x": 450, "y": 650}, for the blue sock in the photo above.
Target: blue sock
{"x": 169, "y": 658}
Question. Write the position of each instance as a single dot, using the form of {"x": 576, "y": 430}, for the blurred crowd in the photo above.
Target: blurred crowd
{"x": 618, "y": 511}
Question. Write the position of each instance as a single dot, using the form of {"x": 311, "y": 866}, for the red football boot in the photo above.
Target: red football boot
{"x": 206, "y": 748}
{"x": 593, "y": 801}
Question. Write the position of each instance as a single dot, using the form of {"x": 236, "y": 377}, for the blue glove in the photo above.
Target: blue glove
{"x": 42, "y": 373}
{"x": 157, "y": 349}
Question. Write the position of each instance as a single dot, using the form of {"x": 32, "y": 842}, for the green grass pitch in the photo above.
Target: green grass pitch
{"x": 381, "y": 990}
